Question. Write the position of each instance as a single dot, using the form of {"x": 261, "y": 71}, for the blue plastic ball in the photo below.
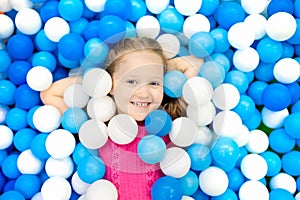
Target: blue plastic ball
{"x": 242, "y": 153}
{"x": 245, "y": 108}
{"x": 79, "y": 153}
{"x": 276, "y": 97}
{"x": 2, "y": 180}
{"x": 16, "y": 118}
{"x": 238, "y": 79}
{"x": 280, "y": 141}
{"x": 208, "y": 7}
{"x": 121, "y": 8}
{"x": 24, "y": 44}
{"x": 23, "y": 137}
{"x": 42, "y": 43}
{"x": 91, "y": 30}
{"x": 90, "y": 169}
{"x": 229, "y": 13}
{"x": 158, "y": 122}
{"x": 227, "y": 195}
{"x": 295, "y": 91}
{"x": 95, "y": 51}
{"x": 280, "y": 6}
{"x": 151, "y": 149}
{"x": 170, "y": 20}
{"x": 5, "y": 61}
{"x": 166, "y": 188}
{"x": 279, "y": 193}
{"x": 69, "y": 64}
{"x": 7, "y": 92}
{"x": 189, "y": 183}
{"x": 45, "y": 59}
{"x": 287, "y": 50}
{"x": 200, "y": 157}
{"x": 48, "y": 10}
{"x": 297, "y": 8}
{"x": 111, "y": 29}
{"x": 290, "y": 163}
{"x": 3, "y": 155}
{"x": 9, "y": 166}
{"x": 236, "y": 179}
{"x": 29, "y": 117}
{"x": 22, "y": 68}
{"x": 12, "y": 195}
{"x": 78, "y": 26}
{"x": 295, "y": 39}
{"x": 73, "y": 118}
{"x": 138, "y": 8}
{"x": 273, "y": 162}
{"x": 201, "y": 44}
{"x": 71, "y": 40}
{"x": 269, "y": 50}
{"x": 213, "y": 72}
{"x": 255, "y": 91}
{"x": 70, "y": 10}
{"x": 26, "y": 98}
{"x": 59, "y": 73}
{"x": 28, "y": 185}
{"x": 173, "y": 83}
{"x": 264, "y": 72}
{"x": 130, "y": 30}
{"x": 296, "y": 107}
{"x": 221, "y": 59}
{"x": 3, "y": 111}
{"x": 9, "y": 186}
{"x": 38, "y": 146}
{"x": 199, "y": 194}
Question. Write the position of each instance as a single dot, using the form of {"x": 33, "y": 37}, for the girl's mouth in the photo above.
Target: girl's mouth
{"x": 140, "y": 104}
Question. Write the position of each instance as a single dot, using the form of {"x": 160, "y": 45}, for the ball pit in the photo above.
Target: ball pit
{"x": 239, "y": 140}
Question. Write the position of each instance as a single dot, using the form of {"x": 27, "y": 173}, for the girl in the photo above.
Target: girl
{"x": 137, "y": 67}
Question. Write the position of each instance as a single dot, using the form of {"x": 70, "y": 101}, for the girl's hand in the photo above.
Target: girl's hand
{"x": 189, "y": 65}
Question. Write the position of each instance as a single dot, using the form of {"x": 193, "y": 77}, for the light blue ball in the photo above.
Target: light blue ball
{"x": 200, "y": 156}
{"x": 290, "y": 163}
{"x": 43, "y": 43}
{"x": 279, "y": 193}
{"x": 73, "y": 118}
{"x": 236, "y": 179}
{"x": 70, "y": 10}
{"x": 7, "y": 92}
{"x": 5, "y": 61}
{"x": 22, "y": 139}
{"x": 220, "y": 36}
{"x": 38, "y": 146}
{"x": 201, "y": 44}
{"x": 28, "y": 185}
{"x": 111, "y": 29}
{"x": 245, "y": 108}
{"x": 273, "y": 161}
{"x": 9, "y": 166}
{"x": 170, "y": 20}
{"x": 213, "y": 72}
{"x": 95, "y": 51}
{"x": 238, "y": 79}
{"x": 166, "y": 188}
{"x": 158, "y": 122}
{"x": 45, "y": 59}
{"x": 139, "y": 9}
{"x": 269, "y": 50}
{"x": 173, "y": 83}
{"x": 12, "y": 195}
{"x": 227, "y": 195}
{"x": 280, "y": 141}
{"x": 254, "y": 121}
{"x": 255, "y": 91}
{"x": 16, "y": 118}
{"x": 189, "y": 183}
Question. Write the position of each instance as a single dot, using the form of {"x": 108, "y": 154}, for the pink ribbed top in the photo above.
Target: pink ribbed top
{"x": 132, "y": 177}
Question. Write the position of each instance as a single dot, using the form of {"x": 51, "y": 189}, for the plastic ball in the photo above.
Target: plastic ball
{"x": 194, "y": 24}
{"x": 166, "y": 188}
{"x": 6, "y": 137}
{"x": 221, "y": 59}
{"x": 55, "y": 28}
{"x": 213, "y": 72}
{"x": 274, "y": 119}
{"x": 93, "y": 134}
{"x": 170, "y": 45}
{"x": 138, "y": 8}
{"x": 176, "y": 162}
{"x": 201, "y": 114}
{"x": 257, "y": 22}
{"x": 60, "y": 143}
{"x": 171, "y": 20}
{"x": 28, "y": 164}
{"x": 289, "y": 163}
{"x": 28, "y": 21}
{"x": 227, "y": 124}
{"x": 9, "y": 166}
{"x": 18, "y": 5}
{"x": 225, "y": 151}
{"x": 204, "y": 136}
{"x": 151, "y": 149}
{"x": 281, "y": 194}
{"x": 95, "y": 6}
{"x": 43, "y": 43}
{"x": 48, "y": 10}
{"x": 208, "y": 7}
{"x": 28, "y": 185}
{"x": 253, "y": 189}
{"x": 200, "y": 156}
{"x": 12, "y": 195}
{"x": 5, "y": 60}
{"x": 76, "y": 42}
{"x": 236, "y": 179}
{"x": 93, "y": 79}
{"x": 158, "y": 122}
{"x": 221, "y": 39}
{"x": 238, "y": 79}
{"x": 7, "y": 27}
{"x": 7, "y": 92}
{"x": 111, "y": 29}
{"x": 173, "y": 83}
{"x": 246, "y": 53}
{"x": 287, "y": 70}
{"x": 73, "y": 118}
{"x": 291, "y": 125}
{"x": 16, "y": 118}
{"x": 45, "y": 59}
{"x": 104, "y": 188}
{"x": 78, "y": 185}
{"x": 74, "y": 96}
{"x": 187, "y": 8}
{"x": 213, "y": 181}
{"x": 147, "y": 26}
{"x": 5, "y": 6}
{"x": 46, "y": 118}
{"x": 23, "y": 138}
{"x": 3, "y": 112}
{"x": 56, "y": 188}
{"x": 59, "y": 167}
{"x": 269, "y": 50}
{"x": 90, "y": 169}
{"x": 281, "y": 26}
{"x": 226, "y": 96}
{"x": 201, "y": 44}
{"x": 38, "y": 147}
{"x": 156, "y": 7}
{"x": 253, "y": 7}
{"x": 189, "y": 183}
{"x": 106, "y": 104}
{"x": 273, "y": 162}
{"x": 295, "y": 91}
{"x": 245, "y": 108}
{"x": 70, "y": 10}
{"x": 283, "y": 181}
{"x": 24, "y": 44}
{"x": 241, "y": 36}
{"x": 254, "y": 166}
{"x": 39, "y": 78}
{"x": 183, "y": 131}
{"x": 255, "y": 91}
{"x": 258, "y": 141}
{"x": 95, "y": 51}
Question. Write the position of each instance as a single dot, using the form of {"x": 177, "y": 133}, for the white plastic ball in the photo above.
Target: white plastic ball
{"x": 82, "y": 197}
{"x": 204, "y": 136}
{"x": 246, "y": 60}
{"x": 241, "y": 35}
{"x": 257, "y": 22}
{"x": 258, "y": 141}
{"x": 60, "y": 143}
{"x": 39, "y": 78}
{"x": 283, "y": 181}
{"x": 95, "y": 6}
{"x": 55, "y": 28}
{"x": 93, "y": 134}
{"x": 176, "y": 162}
{"x": 97, "y": 82}
{"x": 157, "y": 6}
{"x": 170, "y": 45}
{"x": 197, "y": 91}
{"x": 28, "y": 21}
{"x": 187, "y": 198}
{"x": 27, "y": 163}
{"x": 254, "y": 6}
{"x": 46, "y": 118}
{"x": 281, "y": 26}
{"x": 253, "y": 189}
{"x": 19, "y": 4}
{"x": 5, "y": 6}
{"x": 254, "y": 167}
{"x": 202, "y": 114}
{"x": 195, "y": 23}
{"x": 147, "y": 26}
{"x": 286, "y": 70}
{"x": 242, "y": 137}
{"x": 6, "y": 137}
{"x": 226, "y": 96}
{"x": 37, "y": 196}
{"x": 273, "y": 119}
{"x": 106, "y": 105}
{"x": 297, "y": 196}
{"x": 213, "y": 181}
{"x": 75, "y": 96}
{"x": 187, "y": 7}
{"x": 7, "y": 27}
{"x": 122, "y": 129}
{"x": 227, "y": 124}
{"x": 102, "y": 188}
{"x": 79, "y": 186}
{"x": 59, "y": 167}
{"x": 183, "y": 132}
{"x": 56, "y": 188}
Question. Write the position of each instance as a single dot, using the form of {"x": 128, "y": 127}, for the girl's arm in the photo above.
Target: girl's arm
{"x": 54, "y": 95}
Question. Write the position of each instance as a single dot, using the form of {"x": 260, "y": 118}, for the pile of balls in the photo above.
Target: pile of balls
{"x": 240, "y": 139}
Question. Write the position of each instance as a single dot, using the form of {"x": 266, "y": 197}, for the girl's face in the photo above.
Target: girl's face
{"x": 138, "y": 84}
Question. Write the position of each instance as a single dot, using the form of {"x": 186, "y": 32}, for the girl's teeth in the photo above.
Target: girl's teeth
{"x": 140, "y": 104}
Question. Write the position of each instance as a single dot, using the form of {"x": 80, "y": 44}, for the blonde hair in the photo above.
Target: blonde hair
{"x": 175, "y": 107}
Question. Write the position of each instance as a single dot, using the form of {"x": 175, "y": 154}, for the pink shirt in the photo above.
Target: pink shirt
{"x": 132, "y": 177}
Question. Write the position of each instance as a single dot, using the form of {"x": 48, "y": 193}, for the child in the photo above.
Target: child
{"x": 137, "y": 67}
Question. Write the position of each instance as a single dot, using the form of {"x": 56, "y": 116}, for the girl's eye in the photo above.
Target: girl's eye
{"x": 132, "y": 82}
{"x": 155, "y": 83}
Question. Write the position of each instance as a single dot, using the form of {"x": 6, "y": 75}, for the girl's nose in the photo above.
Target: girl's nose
{"x": 143, "y": 91}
